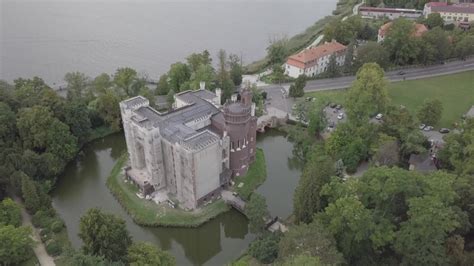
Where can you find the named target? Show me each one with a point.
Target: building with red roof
(314, 61)
(456, 13)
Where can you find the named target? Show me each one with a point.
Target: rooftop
(308, 57)
(457, 8)
(420, 29)
(174, 125)
(388, 10)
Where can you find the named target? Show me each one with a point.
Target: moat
(215, 243)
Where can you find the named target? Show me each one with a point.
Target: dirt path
(40, 251)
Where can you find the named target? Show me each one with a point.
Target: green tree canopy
(430, 112)
(256, 211)
(142, 253)
(400, 43)
(10, 213)
(371, 52)
(434, 20)
(15, 244)
(368, 94)
(104, 235)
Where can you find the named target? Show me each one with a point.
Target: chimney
(202, 85)
(219, 96)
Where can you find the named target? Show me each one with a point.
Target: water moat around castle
(215, 243)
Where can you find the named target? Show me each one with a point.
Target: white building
(457, 13)
(314, 61)
(390, 13)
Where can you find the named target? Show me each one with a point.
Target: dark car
(401, 73)
(332, 125)
(338, 107)
(444, 130)
(333, 105)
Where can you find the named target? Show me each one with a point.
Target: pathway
(40, 251)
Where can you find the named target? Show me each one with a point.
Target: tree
(368, 94)
(278, 73)
(77, 84)
(256, 211)
(30, 195)
(465, 46)
(332, 70)
(142, 253)
(400, 43)
(349, 58)
(297, 89)
(434, 20)
(77, 258)
(204, 73)
(387, 151)
(302, 260)
(317, 118)
(265, 248)
(104, 235)
(10, 213)
(7, 124)
(77, 118)
(430, 112)
(436, 46)
(316, 174)
(277, 51)
(127, 80)
(195, 60)
(15, 244)
(223, 79)
(162, 88)
(421, 238)
(107, 105)
(170, 97)
(236, 71)
(371, 52)
(101, 83)
(312, 240)
(343, 31)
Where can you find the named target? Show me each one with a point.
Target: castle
(191, 152)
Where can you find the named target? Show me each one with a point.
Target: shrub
(53, 248)
(57, 225)
(45, 234)
(40, 219)
(265, 249)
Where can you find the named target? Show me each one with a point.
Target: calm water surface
(217, 242)
(48, 38)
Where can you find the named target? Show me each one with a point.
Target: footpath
(40, 250)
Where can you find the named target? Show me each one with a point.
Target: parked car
(401, 73)
(332, 125)
(338, 107)
(422, 126)
(378, 116)
(444, 130)
(332, 105)
(340, 116)
(428, 128)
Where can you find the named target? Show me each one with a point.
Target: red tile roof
(433, 4)
(308, 57)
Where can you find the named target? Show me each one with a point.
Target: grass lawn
(455, 91)
(148, 213)
(255, 176)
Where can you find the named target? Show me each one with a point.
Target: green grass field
(255, 176)
(455, 91)
(148, 213)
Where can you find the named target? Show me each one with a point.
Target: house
(422, 162)
(314, 61)
(390, 13)
(191, 152)
(456, 13)
(420, 29)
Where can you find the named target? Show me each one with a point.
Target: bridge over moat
(271, 224)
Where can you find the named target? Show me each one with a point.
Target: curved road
(394, 76)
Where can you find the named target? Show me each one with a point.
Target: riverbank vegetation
(255, 176)
(454, 91)
(388, 215)
(148, 213)
(285, 47)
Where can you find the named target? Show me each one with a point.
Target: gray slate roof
(172, 124)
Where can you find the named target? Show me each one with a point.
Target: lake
(50, 38)
(223, 239)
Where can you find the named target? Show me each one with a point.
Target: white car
(428, 128)
(422, 126)
(378, 116)
(340, 116)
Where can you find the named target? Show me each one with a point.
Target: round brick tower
(242, 133)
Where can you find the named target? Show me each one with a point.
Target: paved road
(394, 76)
